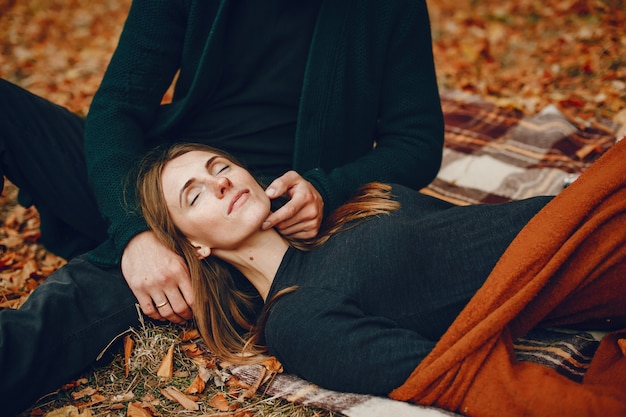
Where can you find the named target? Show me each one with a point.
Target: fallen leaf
(122, 397)
(204, 361)
(233, 381)
(196, 387)
(69, 411)
(273, 365)
(175, 395)
(191, 349)
(93, 400)
(74, 384)
(136, 409)
(129, 344)
(219, 402)
(166, 369)
(85, 392)
(189, 334)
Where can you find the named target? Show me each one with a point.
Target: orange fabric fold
(566, 267)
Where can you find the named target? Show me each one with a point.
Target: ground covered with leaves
(522, 54)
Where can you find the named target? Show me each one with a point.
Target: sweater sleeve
(326, 339)
(392, 102)
(125, 108)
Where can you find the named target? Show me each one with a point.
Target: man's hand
(301, 216)
(159, 279)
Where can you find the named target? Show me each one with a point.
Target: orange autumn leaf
(191, 349)
(136, 409)
(273, 365)
(204, 361)
(235, 382)
(69, 411)
(74, 384)
(219, 402)
(189, 334)
(85, 392)
(93, 400)
(187, 402)
(166, 369)
(196, 387)
(129, 344)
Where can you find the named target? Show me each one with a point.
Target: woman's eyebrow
(191, 180)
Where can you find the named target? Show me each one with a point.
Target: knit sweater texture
(369, 108)
(371, 303)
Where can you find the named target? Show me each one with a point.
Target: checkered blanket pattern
(492, 154)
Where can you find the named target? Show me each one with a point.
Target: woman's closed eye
(193, 200)
(193, 195)
(220, 168)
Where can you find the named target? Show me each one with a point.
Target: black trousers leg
(60, 330)
(41, 152)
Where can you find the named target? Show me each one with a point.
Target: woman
(207, 207)
(358, 308)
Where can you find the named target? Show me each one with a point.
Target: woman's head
(198, 200)
(195, 196)
(187, 193)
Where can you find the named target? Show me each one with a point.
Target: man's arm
(123, 110)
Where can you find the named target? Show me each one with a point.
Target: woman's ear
(202, 251)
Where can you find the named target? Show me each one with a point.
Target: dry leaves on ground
(528, 54)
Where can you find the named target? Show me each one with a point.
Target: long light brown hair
(221, 309)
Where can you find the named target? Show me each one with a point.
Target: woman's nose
(222, 184)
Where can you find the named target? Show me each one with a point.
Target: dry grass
(107, 391)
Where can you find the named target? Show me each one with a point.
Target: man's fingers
(148, 307)
(179, 308)
(302, 231)
(286, 215)
(281, 185)
(167, 311)
(301, 216)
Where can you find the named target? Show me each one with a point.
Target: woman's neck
(258, 260)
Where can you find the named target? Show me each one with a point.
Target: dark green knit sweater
(370, 79)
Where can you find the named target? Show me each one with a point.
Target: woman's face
(215, 203)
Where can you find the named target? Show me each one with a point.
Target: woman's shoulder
(399, 191)
(410, 197)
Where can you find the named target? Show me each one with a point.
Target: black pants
(41, 152)
(74, 314)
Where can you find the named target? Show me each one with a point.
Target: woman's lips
(239, 199)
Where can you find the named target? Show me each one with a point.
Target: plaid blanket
(491, 155)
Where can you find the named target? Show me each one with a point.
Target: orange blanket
(567, 266)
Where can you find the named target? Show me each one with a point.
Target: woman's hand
(301, 216)
(158, 278)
